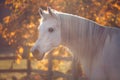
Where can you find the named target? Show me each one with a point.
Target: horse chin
(39, 57)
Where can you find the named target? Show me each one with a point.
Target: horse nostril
(35, 52)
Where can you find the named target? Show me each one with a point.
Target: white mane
(85, 38)
(89, 35)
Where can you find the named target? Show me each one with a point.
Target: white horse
(97, 48)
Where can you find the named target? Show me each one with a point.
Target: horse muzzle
(37, 55)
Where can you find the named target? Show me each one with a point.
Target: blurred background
(19, 20)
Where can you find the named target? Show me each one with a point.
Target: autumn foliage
(19, 28)
(19, 19)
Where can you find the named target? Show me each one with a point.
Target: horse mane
(85, 37)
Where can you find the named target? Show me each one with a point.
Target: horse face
(49, 35)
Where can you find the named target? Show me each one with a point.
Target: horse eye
(50, 29)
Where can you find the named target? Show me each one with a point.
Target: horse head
(49, 34)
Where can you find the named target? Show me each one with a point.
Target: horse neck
(68, 30)
(84, 38)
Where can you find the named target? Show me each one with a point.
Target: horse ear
(41, 12)
(50, 11)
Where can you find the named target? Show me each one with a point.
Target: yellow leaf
(21, 50)
(12, 33)
(31, 57)
(6, 19)
(18, 59)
